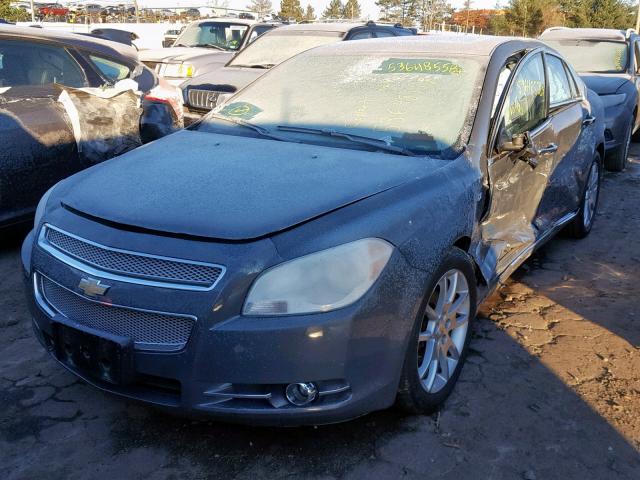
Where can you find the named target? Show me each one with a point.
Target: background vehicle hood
(184, 54)
(228, 76)
(231, 187)
(605, 84)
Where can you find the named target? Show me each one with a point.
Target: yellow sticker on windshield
(243, 110)
(419, 65)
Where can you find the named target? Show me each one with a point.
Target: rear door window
(113, 71)
(559, 88)
(363, 35)
(384, 33)
(33, 64)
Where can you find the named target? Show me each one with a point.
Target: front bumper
(236, 368)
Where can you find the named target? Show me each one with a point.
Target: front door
(518, 177)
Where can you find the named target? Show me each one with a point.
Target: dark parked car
(38, 138)
(205, 91)
(320, 248)
(608, 61)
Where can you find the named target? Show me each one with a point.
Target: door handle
(588, 120)
(551, 148)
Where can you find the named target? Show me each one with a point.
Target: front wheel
(583, 222)
(440, 337)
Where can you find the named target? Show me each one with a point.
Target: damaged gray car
(321, 247)
(68, 101)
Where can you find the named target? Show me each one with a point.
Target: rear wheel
(440, 337)
(583, 222)
(616, 160)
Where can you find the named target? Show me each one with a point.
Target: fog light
(300, 394)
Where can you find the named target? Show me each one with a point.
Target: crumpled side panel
(103, 126)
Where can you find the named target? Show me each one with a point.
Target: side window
(363, 35)
(113, 71)
(525, 107)
(384, 33)
(559, 89)
(35, 64)
(572, 81)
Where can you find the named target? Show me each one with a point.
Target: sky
(369, 8)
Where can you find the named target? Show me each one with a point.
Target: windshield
(416, 103)
(224, 35)
(277, 46)
(593, 55)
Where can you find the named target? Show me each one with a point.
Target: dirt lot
(551, 390)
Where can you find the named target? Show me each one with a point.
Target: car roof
(106, 47)
(241, 21)
(453, 44)
(565, 33)
(342, 27)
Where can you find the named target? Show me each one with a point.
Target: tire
(616, 160)
(582, 224)
(423, 387)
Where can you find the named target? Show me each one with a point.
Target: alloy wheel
(591, 195)
(443, 331)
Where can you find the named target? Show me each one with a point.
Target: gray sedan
(321, 247)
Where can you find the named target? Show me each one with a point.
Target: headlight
(613, 100)
(181, 70)
(321, 281)
(42, 204)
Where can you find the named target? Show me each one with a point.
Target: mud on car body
(40, 144)
(609, 63)
(321, 251)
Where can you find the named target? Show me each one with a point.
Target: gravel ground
(551, 390)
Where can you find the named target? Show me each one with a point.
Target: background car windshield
(276, 47)
(593, 56)
(421, 103)
(224, 35)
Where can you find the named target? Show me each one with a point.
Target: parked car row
(221, 81)
(315, 247)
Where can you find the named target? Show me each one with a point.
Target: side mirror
(517, 144)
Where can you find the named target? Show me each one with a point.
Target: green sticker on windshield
(418, 65)
(243, 110)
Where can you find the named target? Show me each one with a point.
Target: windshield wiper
(256, 128)
(255, 65)
(369, 141)
(210, 45)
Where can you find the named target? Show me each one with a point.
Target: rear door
(518, 179)
(38, 146)
(570, 123)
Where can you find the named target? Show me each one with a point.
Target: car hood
(184, 54)
(605, 84)
(235, 77)
(230, 187)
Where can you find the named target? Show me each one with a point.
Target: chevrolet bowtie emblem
(93, 288)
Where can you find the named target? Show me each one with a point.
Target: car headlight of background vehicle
(42, 204)
(613, 100)
(319, 282)
(181, 70)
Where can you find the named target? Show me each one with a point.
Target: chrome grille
(134, 264)
(148, 329)
(204, 99)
